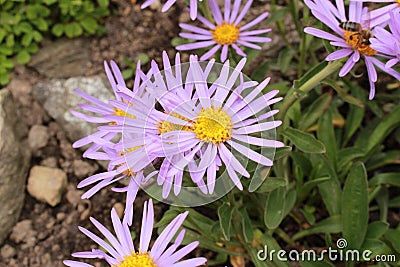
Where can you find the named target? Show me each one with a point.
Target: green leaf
(274, 208)
(393, 236)
(247, 229)
(73, 29)
(7, 63)
(58, 29)
(270, 184)
(89, 24)
(348, 155)
(390, 122)
(41, 24)
(127, 74)
(290, 201)
(10, 40)
(179, 41)
(3, 34)
(315, 111)
(37, 36)
(304, 141)
(355, 207)
(377, 247)
(382, 159)
(27, 39)
(282, 152)
(326, 134)
(143, 58)
(391, 178)
(4, 78)
(23, 57)
(376, 229)
(271, 244)
(103, 3)
(332, 225)
(225, 212)
(309, 185)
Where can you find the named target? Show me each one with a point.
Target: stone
(38, 137)
(47, 184)
(7, 252)
(119, 208)
(14, 164)
(58, 99)
(63, 58)
(22, 232)
(83, 169)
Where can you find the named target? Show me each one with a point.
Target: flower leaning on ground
(169, 3)
(388, 43)
(352, 43)
(226, 31)
(120, 251)
(102, 143)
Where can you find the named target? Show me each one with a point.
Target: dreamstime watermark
(339, 254)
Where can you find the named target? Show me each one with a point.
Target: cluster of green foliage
(23, 23)
(338, 177)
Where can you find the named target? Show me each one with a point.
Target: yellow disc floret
(137, 259)
(120, 112)
(166, 126)
(121, 153)
(213, 125)
(359, 42)
(225, 34)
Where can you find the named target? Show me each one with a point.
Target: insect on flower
(358, 37)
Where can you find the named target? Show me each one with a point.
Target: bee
(358, 34)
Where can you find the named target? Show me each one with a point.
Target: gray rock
(63, 58)
(38, 137)
(14, 163)
(58, 98)
(47, 184)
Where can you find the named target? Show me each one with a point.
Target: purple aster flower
(388, 43)
(353, 42)
(225, 32)
(201, 122)
(382, 12)
(102, 109)
(169, 3)
(120, 251)
(114, 174)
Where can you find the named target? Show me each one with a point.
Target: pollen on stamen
(166, 126)
(355, 43)
(137, 259)
(128, 171)
(213, 125)
(225, 34)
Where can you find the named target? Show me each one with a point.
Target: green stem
(295, 93)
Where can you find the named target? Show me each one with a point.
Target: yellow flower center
(121, 153)
(120, 112)
(166, 126)
(137, 259)
(360, 41)
(225, 34)
(213, 125)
